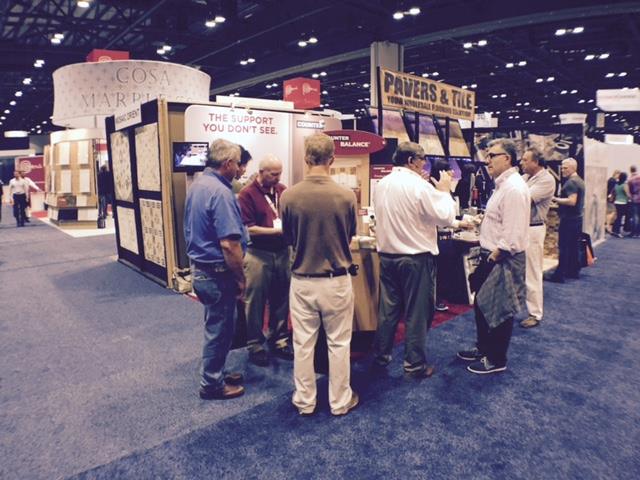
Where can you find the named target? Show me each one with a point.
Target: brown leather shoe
(425, 372)
(233, 378)
(529, 322)
(227, 392)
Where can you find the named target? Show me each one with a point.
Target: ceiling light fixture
(522, 63)
(509, 65)
(312, 40)
(609, 75)
(220, 19)
(577, 30)
(539, 80)
(482, 43)
(38, 63)
(622, 74)
(467, 45)
(7, 111)
(589, 57)
(603, 56)
(83, 4)
(550, 79)
(560, 31)
(398, 15)
(573, 92)
(18, 93)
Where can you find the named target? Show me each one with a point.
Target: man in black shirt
(570, 208)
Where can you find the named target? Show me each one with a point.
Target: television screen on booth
(189, 156)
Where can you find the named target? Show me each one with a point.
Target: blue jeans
(217, 292)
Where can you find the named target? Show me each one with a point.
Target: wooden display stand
(70, 176)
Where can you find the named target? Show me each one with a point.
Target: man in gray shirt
(570, 207)
(542, 186)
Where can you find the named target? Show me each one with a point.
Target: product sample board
(140, 200)
(70, 180)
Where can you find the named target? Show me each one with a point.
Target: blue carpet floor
(98, 379)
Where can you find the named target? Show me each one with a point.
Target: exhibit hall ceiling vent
(529, 62)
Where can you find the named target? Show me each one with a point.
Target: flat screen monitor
(189, 156)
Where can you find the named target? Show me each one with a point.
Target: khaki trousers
(535, 258)
(326, 301)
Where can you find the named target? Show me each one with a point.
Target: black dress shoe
(233, 378)
(259, 357)
(225, 393)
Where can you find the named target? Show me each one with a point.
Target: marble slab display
(148, 157)
(121, 166)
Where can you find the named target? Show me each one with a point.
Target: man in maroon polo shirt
(266, 264)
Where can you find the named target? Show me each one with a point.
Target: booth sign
(402, 91)
(32, 167)
(86, 93)
(355, 142)
(303, 92)
(99, 55)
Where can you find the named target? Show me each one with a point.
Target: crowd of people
(623, 204)
(290, 248)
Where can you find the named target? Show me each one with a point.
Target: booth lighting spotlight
(83, 4)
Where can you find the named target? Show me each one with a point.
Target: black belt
(335, 273)
(538, 224)
(216, 267)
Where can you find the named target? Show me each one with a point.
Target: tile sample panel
(127, 229)
(121, 166)
(148, 157)
(152, 231)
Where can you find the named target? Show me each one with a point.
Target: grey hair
(508, 146)
(406, 151)
(537, 156)
(221, 151)
(571, 161)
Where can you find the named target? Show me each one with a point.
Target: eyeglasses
(491, 156)
(419, 157)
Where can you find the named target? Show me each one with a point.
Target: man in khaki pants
(542, 186)
(318, 220)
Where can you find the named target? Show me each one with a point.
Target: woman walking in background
(621, 202)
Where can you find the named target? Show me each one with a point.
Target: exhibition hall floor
(98, 379)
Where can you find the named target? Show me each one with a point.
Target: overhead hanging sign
(417, 94)
(85, 93)
(618, 99)
(355, 142)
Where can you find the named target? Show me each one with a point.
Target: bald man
(266, 264)
(570, 206)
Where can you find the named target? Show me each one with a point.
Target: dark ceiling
(515, 31)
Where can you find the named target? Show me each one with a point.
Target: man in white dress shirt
(408, 209)
(542, 186)
(499, 281)
(18, 191)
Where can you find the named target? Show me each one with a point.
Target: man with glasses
(499, 280)
(408, 211)
(216, 241)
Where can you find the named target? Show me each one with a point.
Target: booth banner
(86, 93)
(355, 142)
(303, 92)
(618, 99)
(417, 94)
(258, 131)
(32, 167)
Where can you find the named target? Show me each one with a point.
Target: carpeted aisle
(99, 380)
